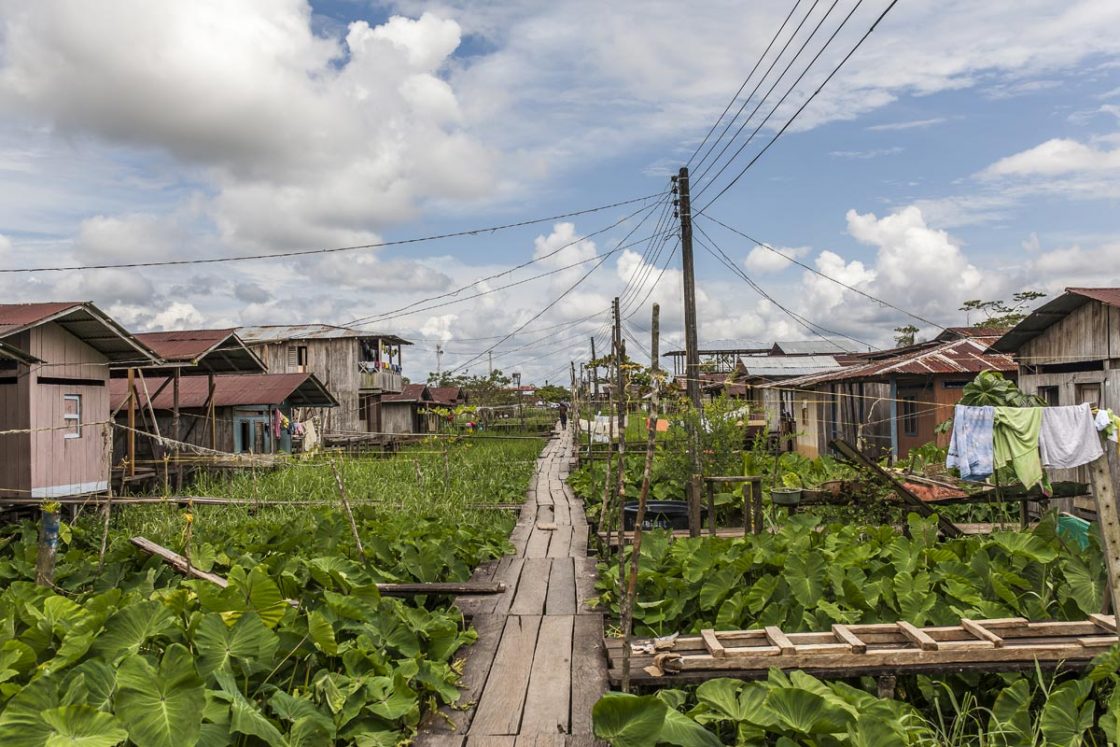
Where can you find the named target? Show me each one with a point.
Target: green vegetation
(300, 649)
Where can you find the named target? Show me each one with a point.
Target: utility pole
(655, 339)
(594, 375)
(439, 357)
(490, 362)
(691, 351)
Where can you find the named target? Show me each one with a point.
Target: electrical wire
(305, 252)
(800, 109)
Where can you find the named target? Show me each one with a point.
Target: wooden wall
(60, 465)
(398, 417)
(15, 414)
(335, 362)
(1090, 333)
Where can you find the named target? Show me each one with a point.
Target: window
(1090, 393)
(297, 357)
(1049, 395)
(909, 416)
(72, 415)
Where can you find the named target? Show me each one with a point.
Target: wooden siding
(398, 417)
(335, 363)
(15, 414)
(1090, 333)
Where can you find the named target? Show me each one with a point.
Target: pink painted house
(54, 394)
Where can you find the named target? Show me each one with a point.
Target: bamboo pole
(346, 508)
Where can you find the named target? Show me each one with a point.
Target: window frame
(76, 416)
(909, 416)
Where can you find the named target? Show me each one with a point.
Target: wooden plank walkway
(539, 663)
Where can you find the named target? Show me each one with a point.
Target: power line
(792, 87)
(804, 104)
(305, 252)
(730, 264)
(758, 85)
(815, 271)
(448, 294)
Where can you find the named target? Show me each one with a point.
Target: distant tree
(1001, 314)
(489, 390)
(905, 336)
(553, 393)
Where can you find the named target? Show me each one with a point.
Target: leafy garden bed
(300, 649)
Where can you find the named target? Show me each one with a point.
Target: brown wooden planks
(502, 700)
(550, 684)
(561, 544)
(561, 596)
(533, 587)
(537, 545)
(585, 583)
(479, 659)
(589, 670)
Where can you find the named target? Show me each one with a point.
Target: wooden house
(232, 413)
(54, 374)
(412, 410)
(356, 367)
(888, 404)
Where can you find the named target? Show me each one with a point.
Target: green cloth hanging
(1015, 433)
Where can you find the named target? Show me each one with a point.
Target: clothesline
(1027, 439)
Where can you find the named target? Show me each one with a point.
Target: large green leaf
(805, 574)
(21, 723)
(1011, 714)
(799, 710)
(218, 643)
(130, 628)
(321, 632)
(628, 720)
(1066, 716)
(161, 708)
(82, 726)
(682, 731)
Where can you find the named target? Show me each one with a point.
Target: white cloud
(1054, 157)
(763, 260)
(863, 155)
(907, 125)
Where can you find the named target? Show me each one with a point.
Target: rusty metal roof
(202, 351)
(297, 389)
(966, 356)
(448, 395)
(1042, 318)
(284, 332)
(409, 393)
(83, 320)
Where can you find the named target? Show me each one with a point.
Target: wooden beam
(948, 528)
(1100, 478)
(981, 632)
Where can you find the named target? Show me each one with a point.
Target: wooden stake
(1103, 493)
(108, 436)
(132, 422)
(346, 507)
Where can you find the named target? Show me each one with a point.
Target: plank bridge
(539, 663)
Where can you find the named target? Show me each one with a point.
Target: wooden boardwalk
(539, 664)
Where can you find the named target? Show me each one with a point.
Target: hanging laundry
(276, 415)
(1108, 423)
(970, 445)
(1015, 437)
(1068, 437)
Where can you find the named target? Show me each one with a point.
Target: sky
(964, 151)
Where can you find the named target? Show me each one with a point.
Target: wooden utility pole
(176, 434)
(594, 374)
(131, 423)
(655, 339)
(691, 350)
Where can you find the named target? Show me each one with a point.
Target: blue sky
(967, 150)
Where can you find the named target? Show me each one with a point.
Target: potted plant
(788, 493)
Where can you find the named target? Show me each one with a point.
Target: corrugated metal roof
(774, 366)
(11, 352)
(283, 332)
(1041, 319)
(448, 395)
(207, 350)
(812, 347)
(299, 389)
(409, 393)
(83, 320)
(969, 355)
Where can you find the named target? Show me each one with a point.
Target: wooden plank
(561, 597)
(776, 637)
(1107, 622)
(852, 454)
(533, 587)
(491, 741)
(537, 546)
(981, 632)
(404, 590)
(844, 633)
(177, 561)
(580, 533)
(439, 740)
(546, 526)
(589, 670)
(561, 544)
(510, 574)
(585, 583)
(715, 648)
(550, 684)
(500, 705)
(918, 636)
(542, 740)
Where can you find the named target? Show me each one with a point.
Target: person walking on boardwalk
(563, 415)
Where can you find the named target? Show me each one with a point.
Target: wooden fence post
(48, 545)
(1104, 494)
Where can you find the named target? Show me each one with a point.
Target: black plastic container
(659, 515)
